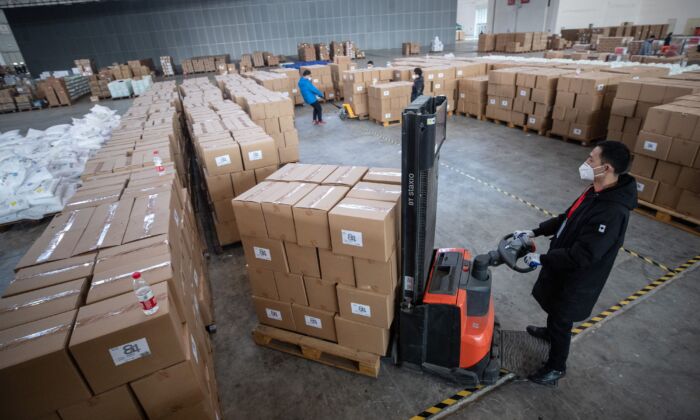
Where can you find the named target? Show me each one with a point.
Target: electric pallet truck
(446, 322)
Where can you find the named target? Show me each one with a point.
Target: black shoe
(547, 376)
(539, 332)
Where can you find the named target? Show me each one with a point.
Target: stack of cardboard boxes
(556, 42)
(666, 163)
(141, 67)
(7, 99)
(356, 84)
(271, 59)
(336, 50)
(204, 64)
(472, 95)
(487, 42)
(321, 78)
(85, 66)
(322, 52)
(258, 59)
(388, 100)
(63, 90)
(71, 310)
(99, 88)
(340, 64)
(539, 41)
(582, 105)
(293, 76)
(246, 63)
(521, 42)
(535, 93)
(410, 48)
(321, 246)
(121, 71)
(166, 64)
(502, 91)
(306, 52)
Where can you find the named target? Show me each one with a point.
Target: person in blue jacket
(309, 93)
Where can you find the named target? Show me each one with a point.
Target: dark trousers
(318, 111)
(560, 340)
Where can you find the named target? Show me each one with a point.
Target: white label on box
(130, 351)
(523, 93)
(350, 237)
(360, 309)
(315, 80)
(504, 103)
(387, 115)
(532, 120)
(492, 101)
(459, 72)
(374, 80)
(313, 322)
(273, 314)
(577, 131)
(262, 253)
(255, 155)
(461, 95)
(441, 75)
(195, 353)
(294, 91)
(430, 77)
(640, 187)
(385, 93)
(331, 95)
(222, 160)
(359, 88)
(650, 145)
(600, 87)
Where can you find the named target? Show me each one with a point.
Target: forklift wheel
(343, 114)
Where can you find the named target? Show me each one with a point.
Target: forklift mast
(422, 135)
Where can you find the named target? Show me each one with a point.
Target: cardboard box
(258, 153)
(114, 342)
(106, 228)
(219, 187)
(118, 403)
(314, 322)
(363, 228)
(37, 375)
(346, 176)
(646, 188)
(667, 195)
(38, 304)
(302, 259)
(321, 294)
(383, 175)
(689, 179)
(336, 268)
(362, 337)
(149, 217)
(265, 253)
(643, 166)
(689, 203)
(248, 210)
(49, 274)
(366, 306)
(262, 282)
(683, 152)
(311, 215)
(377, 276)
(274, 313)
(376, 191)
(653, 145)
(243, 181)
(667, 172)
(290, 288)
(277, 208)
(221, 157)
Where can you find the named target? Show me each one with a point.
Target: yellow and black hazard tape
(546, 212)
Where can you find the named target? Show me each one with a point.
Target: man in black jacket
(585, 241)
(417, 89)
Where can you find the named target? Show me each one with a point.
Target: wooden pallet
(570, 139)
(58, 106)
(527, 129)
(122, 97)
(669, 217)
(387, 123)
(320, 351)
(479, 117)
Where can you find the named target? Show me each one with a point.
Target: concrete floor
(631, 366)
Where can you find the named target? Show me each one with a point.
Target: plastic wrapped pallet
(121, 88)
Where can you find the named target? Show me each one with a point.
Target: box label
(222, 160)
(441, 75)
(313, 322)
(461, 95)
(130, 351)
(504, 103)
(523, 93)
(273, 314)
(431, 77)
(650, 145)
(492, 101)
(600, 87)
(262, 253)
(640, 187)
(459, 72)
(577, 131)
(387, 115)
(437, 85)
(255, 155)
(532, 120)
(360, 309)
(294, 91)
(359, 88)
(386, 93)
(350, 237)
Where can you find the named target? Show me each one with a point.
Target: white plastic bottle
(158, 163)
(144, 294)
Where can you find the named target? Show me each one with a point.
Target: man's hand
(532, 259)
(528, 233)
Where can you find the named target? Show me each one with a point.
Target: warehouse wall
(578, 14)
(51, 37)
(9, 51)
(528, 17)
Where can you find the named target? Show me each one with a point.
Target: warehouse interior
(134, 160)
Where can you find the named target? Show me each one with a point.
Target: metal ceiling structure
(8, 4)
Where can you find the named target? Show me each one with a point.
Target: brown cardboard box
(643, 166)
(37, 375)
(38, 304)
(336, 268)
(681, 124)
(114, 342)
(667, 195)
(632, 125)
(290, 288)
(363, 228)
(106, 227)
(311, 215)
(149, 217)
(646, 188)
(383, 175)
(366, 306)
(262, 282)
(274, 313)
(346, 176)
(657, 119)
(667, 172)
(376, 191)
(118, 403)
(277, 208)
(683, 152)
(49, 274)
(258, 153)
(219, 187)
(363, 337)
(689, 179)
(653, 145)
(265, 253)
(624, 107)
(221, 157)
(223, 211)
(377, 276)
(689, 203)
(314, 322)
(302, 259)
(248, 210)
(321, 294)
(243, 181)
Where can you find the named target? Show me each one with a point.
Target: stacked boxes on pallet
(487, 42)
(535, 94)
(388, 100)
(502, 94)
(582, 105)
(321, 248)
(539, 41)
(294, 77)
(410, 48)
(321, 78)
(522, 42)
(322, 52)
(273, 111)
(73, 329)
(666, 162)
(473, 95)
(7, 99)
(258, 59)
(336, 50)
(99, 86)
(356, 84)
(166, 64)
(306, 52)
(340, 64)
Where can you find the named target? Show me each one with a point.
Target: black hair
(306, 73)
(418, 71)
(370, 62)
(615, 154)
(652, 36)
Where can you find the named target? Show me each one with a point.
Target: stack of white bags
(40, 171)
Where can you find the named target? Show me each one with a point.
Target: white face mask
(587, 172)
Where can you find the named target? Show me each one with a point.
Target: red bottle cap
(136, 275)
